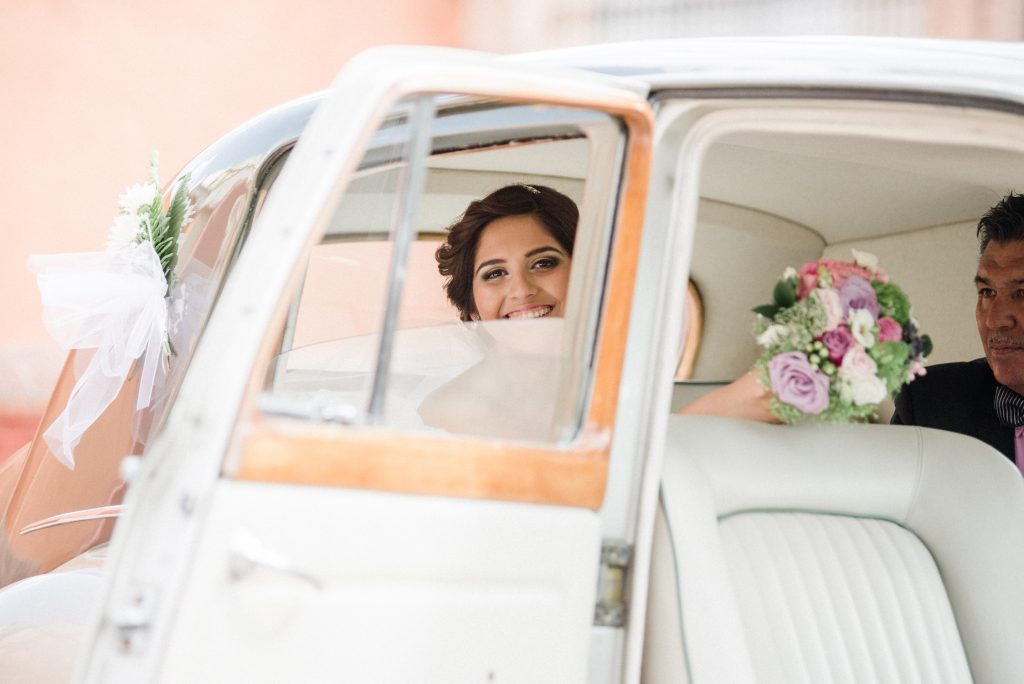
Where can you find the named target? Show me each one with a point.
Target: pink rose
(889, 330)
(807, 279)
(857, 364)
(838, 342)
(797, 383)
(829, 301)
(842, 270)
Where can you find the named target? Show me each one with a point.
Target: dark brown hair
(556, 212)
(1003, 223)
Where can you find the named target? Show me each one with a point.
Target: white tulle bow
(112, 308)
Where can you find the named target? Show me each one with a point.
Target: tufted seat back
(864, 553)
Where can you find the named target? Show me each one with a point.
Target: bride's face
(520, 270)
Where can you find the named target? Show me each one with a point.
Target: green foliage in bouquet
(892, 302)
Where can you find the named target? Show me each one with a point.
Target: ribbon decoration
(114, 305)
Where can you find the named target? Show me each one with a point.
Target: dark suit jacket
(955, 397)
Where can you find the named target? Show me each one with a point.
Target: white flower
(136, 197)
(829, 300)
(858, 379)
(789, 273)
(124, 233)
(862, 324)
(868, 261)
(772, 335)
(861, 391)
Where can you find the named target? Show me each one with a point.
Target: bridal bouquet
(837, 339)
(112, 307)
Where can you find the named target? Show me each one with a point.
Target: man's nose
(1000, 314)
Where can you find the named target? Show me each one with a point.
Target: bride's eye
(546, 263)
(492, 274)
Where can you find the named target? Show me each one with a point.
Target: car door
(350, 487)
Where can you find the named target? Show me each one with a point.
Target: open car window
(371, 337)
(903, 181)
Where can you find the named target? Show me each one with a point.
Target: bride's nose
(522, 286)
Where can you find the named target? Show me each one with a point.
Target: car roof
(977, 68)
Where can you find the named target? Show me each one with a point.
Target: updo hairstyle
(556, 212)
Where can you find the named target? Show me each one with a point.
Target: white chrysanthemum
(789, 273)
(862, 324)
(124, 233)
(862, 390)
(772, 335)
(136, 197)
(865, 259)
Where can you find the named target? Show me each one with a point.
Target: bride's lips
(535, 311)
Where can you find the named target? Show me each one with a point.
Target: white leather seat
(863, 553)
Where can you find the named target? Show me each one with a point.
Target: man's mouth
(1004, 346)
(531, 312)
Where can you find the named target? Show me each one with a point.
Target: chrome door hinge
(610, 610)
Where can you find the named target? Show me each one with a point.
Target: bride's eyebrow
(489, 262)
(540, 250)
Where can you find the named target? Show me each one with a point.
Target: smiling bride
(510, 253)
(506, 263)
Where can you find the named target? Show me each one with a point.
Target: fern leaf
(175, 217)
(156, 211)
(179, 204)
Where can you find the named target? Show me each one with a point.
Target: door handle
(248, 554)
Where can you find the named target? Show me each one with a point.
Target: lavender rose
(857, 293)
(797, 383)
(838, 342)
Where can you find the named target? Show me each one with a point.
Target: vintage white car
(341, 481)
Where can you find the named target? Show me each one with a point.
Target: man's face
(1000, 311)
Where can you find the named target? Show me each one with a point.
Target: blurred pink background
(88, 93)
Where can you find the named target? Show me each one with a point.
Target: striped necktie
(1009, 408)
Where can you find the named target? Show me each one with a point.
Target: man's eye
(986, 293)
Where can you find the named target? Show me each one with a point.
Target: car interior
(777, 556)
(906, 182)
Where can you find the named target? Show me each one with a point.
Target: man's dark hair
(556, 212)
(1003, 223)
